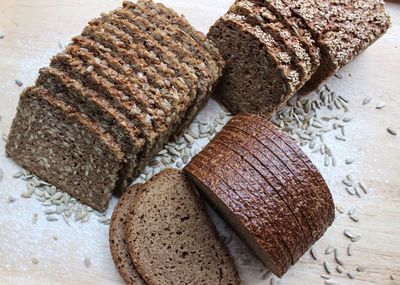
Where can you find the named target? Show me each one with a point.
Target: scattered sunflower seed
(340, 269)
(339, 76)
(55, 237)
(347, 183)
(87, 262)
(18, 174)
(313, 253)
(11, 199)
(366, 100)
(355, 219)
(356, 238)
(328, 282)
(19, 82)
(362, 268)
(52, 218)
(35, 218)
(349, 234)
(380, 105)
(351, 274)
(391, 131)
(35, 261)
(392, 277)
(350, 250)
(328, 267)
(330, 249)
(340, 209)
(325, 276)
(362, 186)
(349, 161)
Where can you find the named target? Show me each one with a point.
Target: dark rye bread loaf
(172, 240)
(249, 157)
(117, 237)
(84, 163)
(259, 75)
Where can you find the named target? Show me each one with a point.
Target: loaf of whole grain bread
(274, 48)
(139, 75)
(266, 188)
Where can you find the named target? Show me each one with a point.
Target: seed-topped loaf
(266, 188)
(59, 144)
(307, 42)
(170, 237)
(139, 74)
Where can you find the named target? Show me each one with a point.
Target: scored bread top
(172, 240)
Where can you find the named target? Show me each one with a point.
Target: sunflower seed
(347, 183)
(328, 282)
(328, 267)
(55, 237)
(351, 274)
(51, 218)
(392, 277)
(339, 76)
(50, 211)
(380, 105)
(56, 196)
(35, 218)
(35, 261)
(339, 209)
(325, 276)
(351, 191)
(18, 174)
(362, 268)
(350, 250)
(27, 194)
(349, 234)
(87, 262)
(391, 131)
(349, 161)
(330, 249)
(347, 119)
(355, 219)
(340, 269)
(356, 238)
(362, 186)
(314, 253)
(366, 100)
(19, 82)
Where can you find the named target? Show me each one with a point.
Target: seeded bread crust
(65, 140)
(181, 22)
(88, 102)
(117, 237)
(249, 230)
(175, 230)
(228, 33)
(296, 155)
(291, 230)
(259, 15)
(247, 184)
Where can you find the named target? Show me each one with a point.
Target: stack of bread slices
(266, 188)
(133, 79)
(160, 234)
(274, 48)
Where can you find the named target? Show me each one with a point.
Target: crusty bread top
(171, 239)
(118, 243)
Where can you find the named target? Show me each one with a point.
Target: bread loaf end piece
(64, 148)
(258, 77)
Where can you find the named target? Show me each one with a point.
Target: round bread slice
(118, 244)
(171, 239)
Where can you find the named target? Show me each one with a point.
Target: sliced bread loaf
(63, 147)
(117, 237)
(172, 240)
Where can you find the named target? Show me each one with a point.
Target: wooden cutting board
(35, 29)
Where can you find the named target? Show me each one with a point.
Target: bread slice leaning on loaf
(171, 239)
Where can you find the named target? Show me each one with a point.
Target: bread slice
(117, 236)
(172, 240)
(64, 148)
(258, 76)
(257, 14)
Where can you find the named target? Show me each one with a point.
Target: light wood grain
(33, 31)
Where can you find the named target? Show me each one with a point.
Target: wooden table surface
(35, 29)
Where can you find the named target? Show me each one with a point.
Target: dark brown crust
(217, 158)
(291, 229)
(296, 155)
(211, 186)
(307, 190)
(117, 238)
